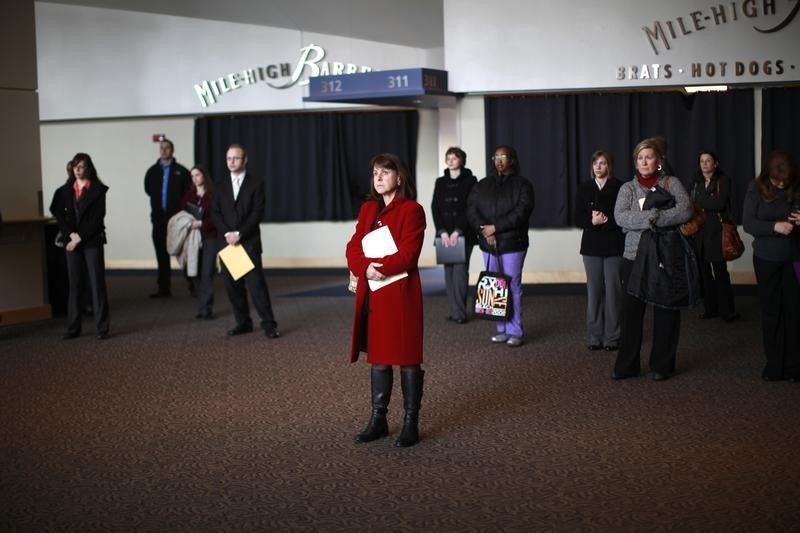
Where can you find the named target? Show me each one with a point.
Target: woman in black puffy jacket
(499, 209)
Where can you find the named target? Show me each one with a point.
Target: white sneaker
(514, 342)
(500, 338)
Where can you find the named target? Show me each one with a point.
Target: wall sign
(661, 35)
(276, 76)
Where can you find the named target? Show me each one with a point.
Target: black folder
(448, 255)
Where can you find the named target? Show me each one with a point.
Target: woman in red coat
(388, 319)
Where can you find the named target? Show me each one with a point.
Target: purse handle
(499, 262)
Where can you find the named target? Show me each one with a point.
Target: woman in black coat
(711, 191)
(79, 207)
(449, 210)
(602, 244)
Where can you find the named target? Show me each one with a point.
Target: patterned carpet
(169, 425)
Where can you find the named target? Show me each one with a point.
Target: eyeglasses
(501, 157)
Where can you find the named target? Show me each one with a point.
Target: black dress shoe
(203, 315)
(70, 335)
(732, 318)
(594, 347)
(460, 320)
(661, 376)
(611, 347)
(706, 316)
(794, 379)
(102, 336)
(617, 376)
(767, 377)
(240, 329)
(272, 333)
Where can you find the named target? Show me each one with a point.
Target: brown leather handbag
(732, 245)
(693, 225)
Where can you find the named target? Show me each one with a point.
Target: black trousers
(779, 296)
(203, 283)
(666, 331)
(717, 290)
(256, 285)
(91, 262)
(162, 257)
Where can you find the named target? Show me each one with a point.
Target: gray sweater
(633, 221)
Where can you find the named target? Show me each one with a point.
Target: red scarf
(648, 183)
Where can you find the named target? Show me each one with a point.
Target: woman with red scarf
(633, 219)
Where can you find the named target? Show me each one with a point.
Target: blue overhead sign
(386, 86)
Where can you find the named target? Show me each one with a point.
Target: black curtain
(315, 166)
(780, 121)
(555, 136)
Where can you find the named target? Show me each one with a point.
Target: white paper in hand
(376, 244)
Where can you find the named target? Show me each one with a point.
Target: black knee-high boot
(411, 381)
(381, 393)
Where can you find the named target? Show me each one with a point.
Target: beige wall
(21, 235)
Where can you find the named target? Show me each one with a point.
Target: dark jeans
(203, 283)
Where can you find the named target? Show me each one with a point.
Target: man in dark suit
(165, 183)
(237, 207)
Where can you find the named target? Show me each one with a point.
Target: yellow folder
(236, 260)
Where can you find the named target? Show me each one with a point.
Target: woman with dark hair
(711, 191)
(197, 201)
(449, 210)
(499, 209)
(631, 216)
(79, 207)
(771, 215)
(387, 323)
(602, 244)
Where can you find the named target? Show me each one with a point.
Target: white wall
(95, 63)
(510, 45)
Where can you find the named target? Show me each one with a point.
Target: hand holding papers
(376, 244)
(236, 260)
